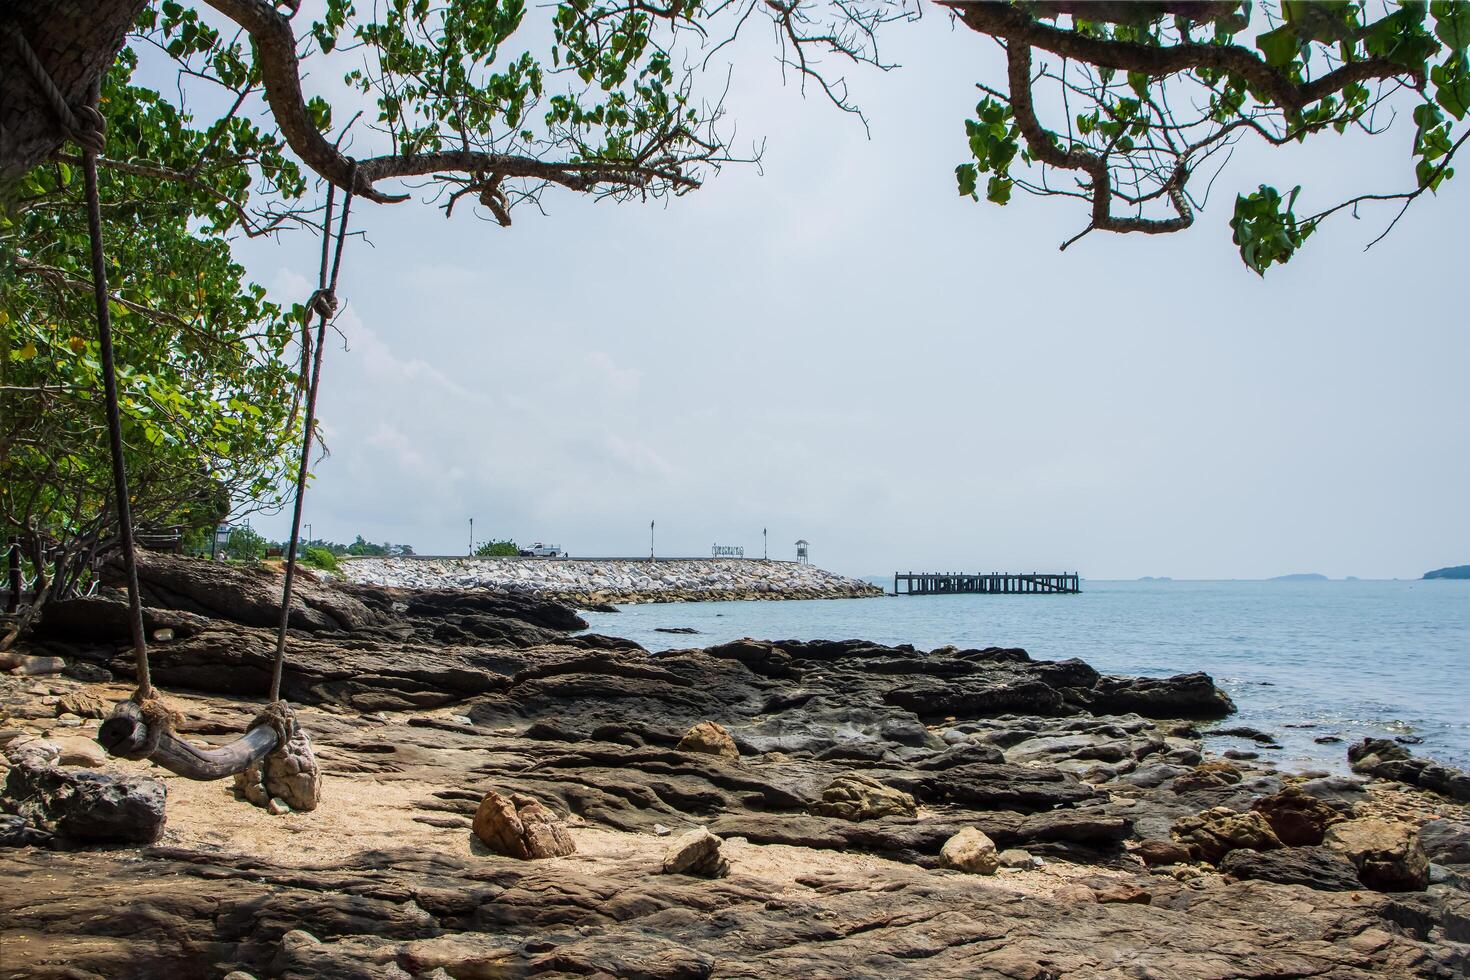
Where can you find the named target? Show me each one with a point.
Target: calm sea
(1302, 660)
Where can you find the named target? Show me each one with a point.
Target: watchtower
(802, 555)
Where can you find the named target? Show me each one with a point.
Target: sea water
(1302, 660)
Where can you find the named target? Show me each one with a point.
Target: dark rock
(87, 807)
(1327, 739)
(1183, 696)
(685, 630)
(17, 832)
(995, 786)
(1446, 841)
(1240, 755)
(1321, 868)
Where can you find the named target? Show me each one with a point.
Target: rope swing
(274, 756)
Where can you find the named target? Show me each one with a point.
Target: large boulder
(854, 796)
(85, 806)
(518, 826)
(1321, 868)
(1298, 819)
(1387, 854)
(971, 851)
(289, 774)
(1212, 834)
(709, 738)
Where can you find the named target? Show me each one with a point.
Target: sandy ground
(363, 813)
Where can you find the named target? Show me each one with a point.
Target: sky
(836, 347)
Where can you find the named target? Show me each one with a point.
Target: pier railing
(995, 583)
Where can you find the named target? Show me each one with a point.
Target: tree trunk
(76, 41)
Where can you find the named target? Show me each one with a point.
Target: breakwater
(592, 581)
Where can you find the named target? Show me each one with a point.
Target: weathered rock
(1208, 775)
(1212, 834)
(1298, 819)
(1114, 892)
(289, 773)
(696, 853)
(520, 827)
(970, 851)
(855, 796)
(1388, 855)
(83, 704)
(87, 807)
(1321, 868)
(710, 738)
(1446, 841)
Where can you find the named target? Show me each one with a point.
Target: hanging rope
(323, 303)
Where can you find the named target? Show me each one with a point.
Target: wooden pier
(996, 583)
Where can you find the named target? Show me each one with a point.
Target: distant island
(1454, 571)
(1156, 578)
(1301, 577)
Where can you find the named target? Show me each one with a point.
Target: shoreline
(596, 582)
(879, 810)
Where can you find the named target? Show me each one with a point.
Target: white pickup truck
(539, 550)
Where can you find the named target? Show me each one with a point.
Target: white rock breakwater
(592, 581)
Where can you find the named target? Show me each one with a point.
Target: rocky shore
(502, 798)
(593, 582)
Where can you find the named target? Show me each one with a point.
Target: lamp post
(308, 534)
(472, 536)
(650, 540)
(765, 546)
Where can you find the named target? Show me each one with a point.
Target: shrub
(497, 549)
(319, 558)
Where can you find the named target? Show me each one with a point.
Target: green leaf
(1280, 47)
(967, 175)
(1452, 23)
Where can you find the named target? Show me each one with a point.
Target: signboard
(728, 551)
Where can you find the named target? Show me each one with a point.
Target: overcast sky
(842, 349)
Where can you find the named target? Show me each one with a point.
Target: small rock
(1160, 852)
(696, 853)
(854, 796)
(1014, 857)
(163, 634)
(520, 827)
(69, 721)
(277, 807)
(659, 830)
(30, 750)
(1327, 739)
(971, 851)
(709, 738)
(83, 705)
(1388, 855)
(462, 720)
(1241, 755)
(74, 750)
